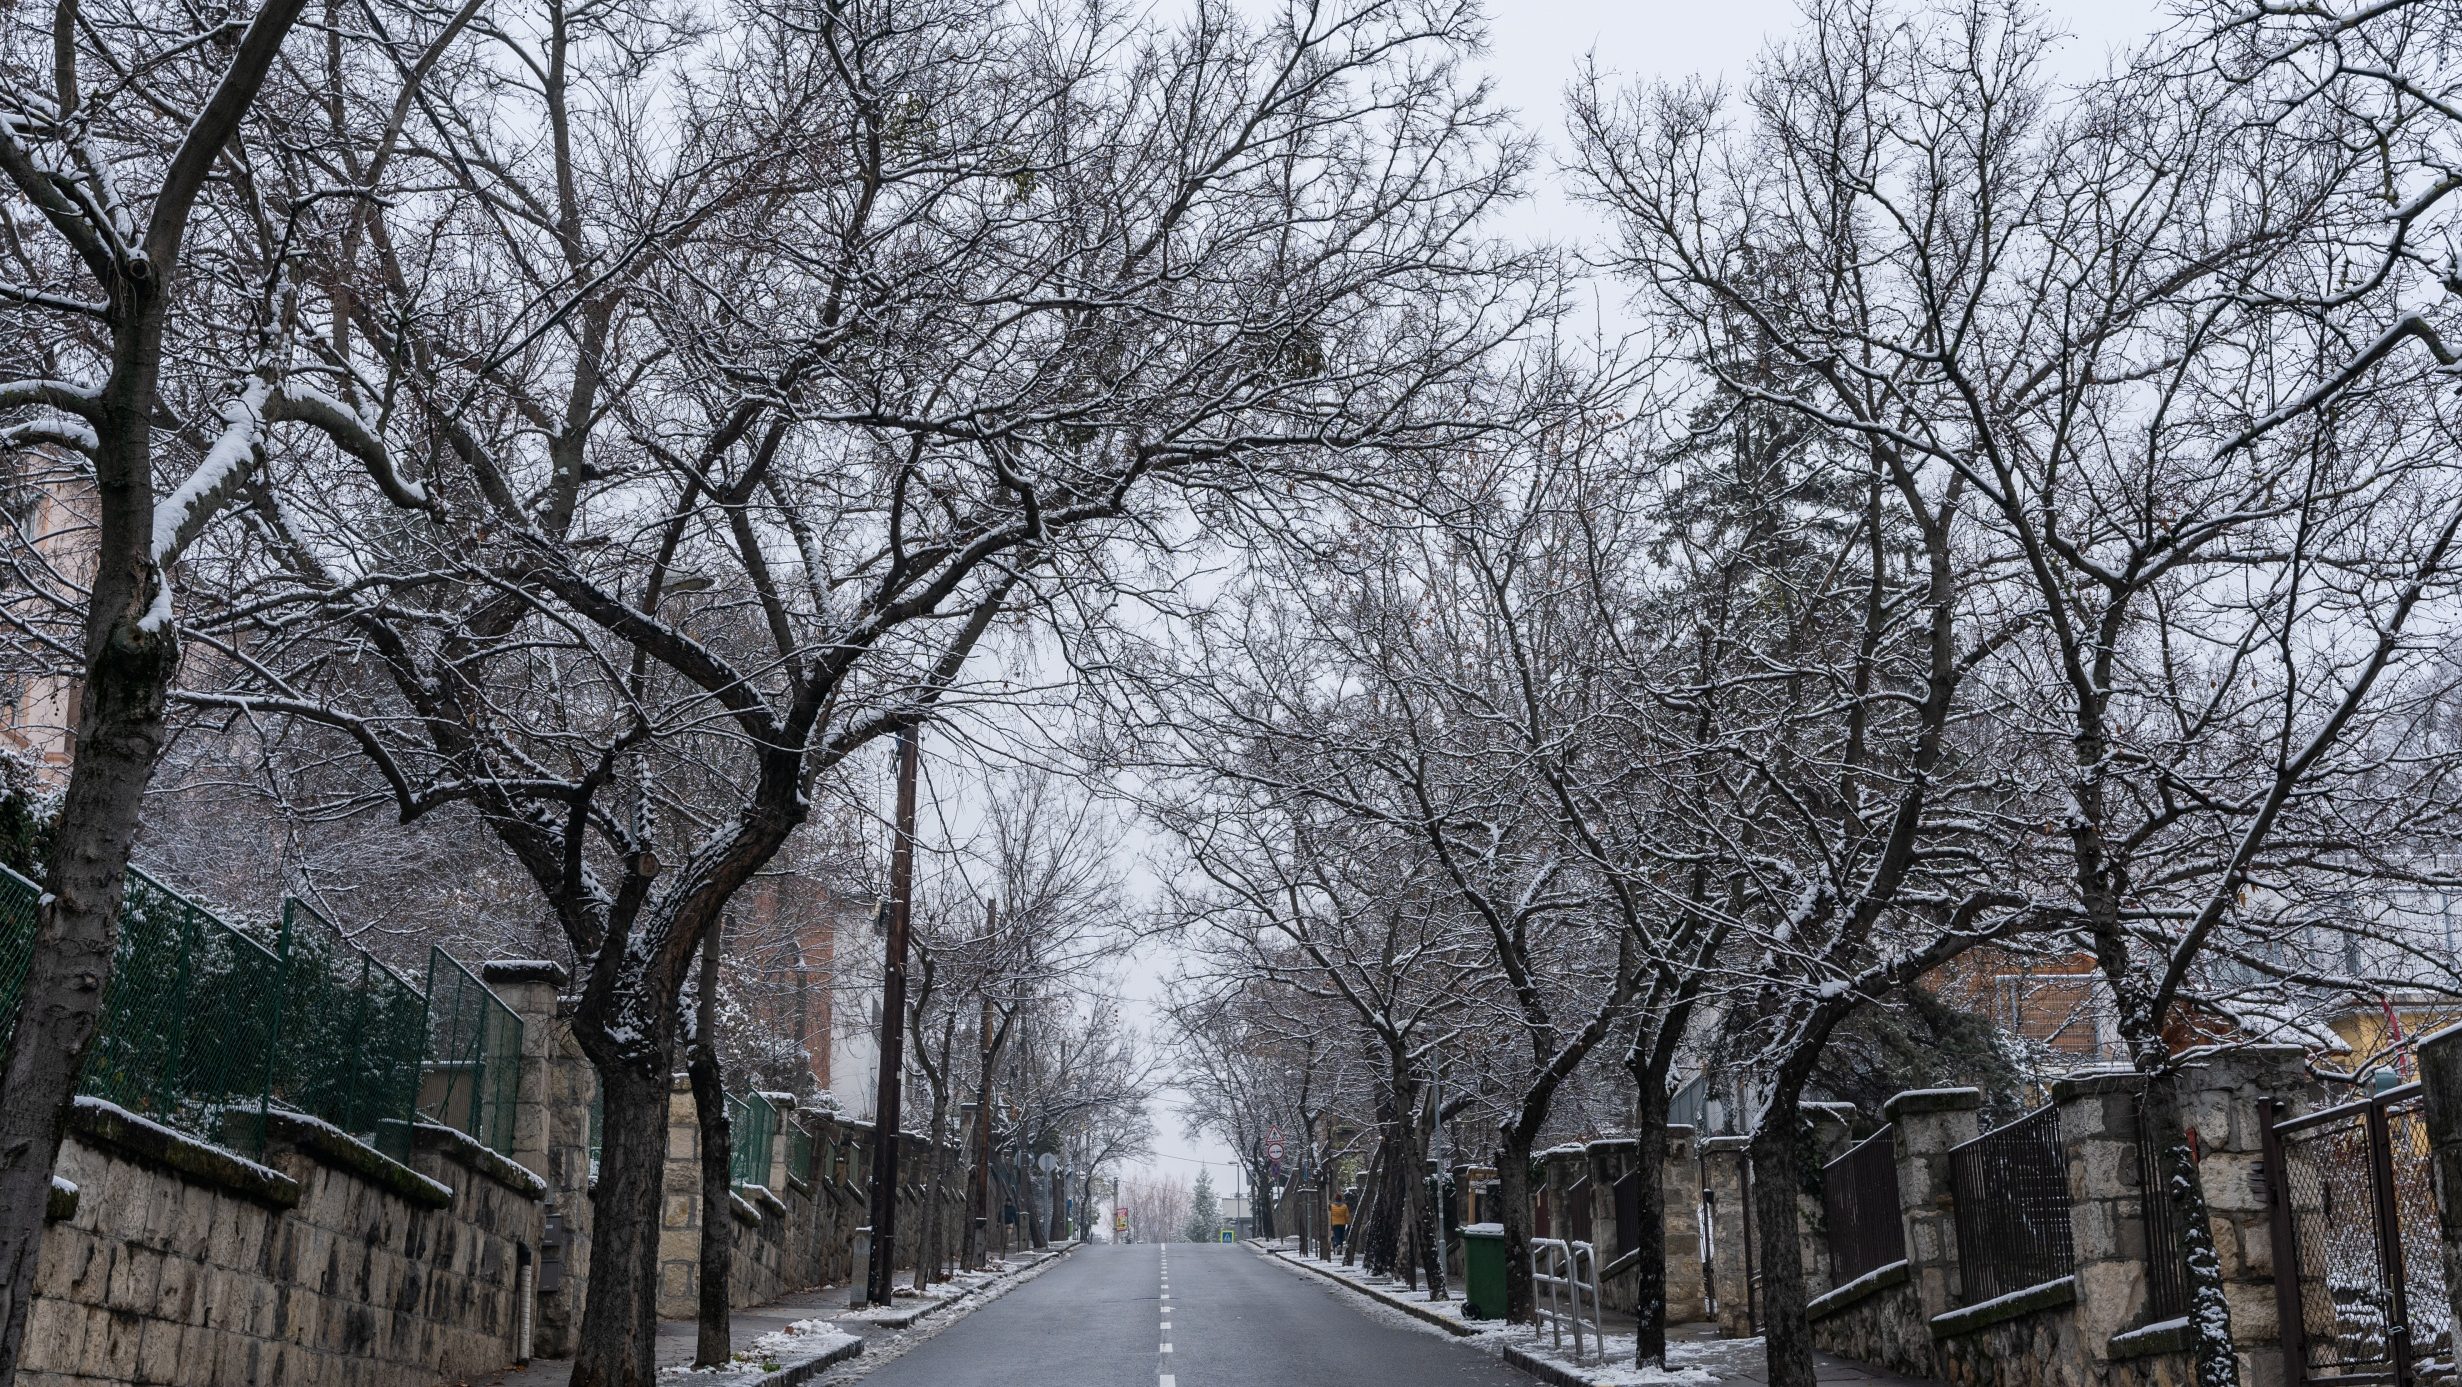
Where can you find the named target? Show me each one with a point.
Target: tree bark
(128, 666)
(714, 1339)
(1777, 1179)
(620, 1309)
(1513, 1191)
(1650, 1273)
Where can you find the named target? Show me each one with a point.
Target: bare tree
(165, 378)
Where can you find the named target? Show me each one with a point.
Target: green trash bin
(1483, 1267)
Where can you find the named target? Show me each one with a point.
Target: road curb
(907, 1319)
(796, 1374)
(1540, 1368)
(1411, 1308)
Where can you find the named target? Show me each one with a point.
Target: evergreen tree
(1205, 1211)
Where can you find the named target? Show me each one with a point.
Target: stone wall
(2090, 1328)
(327, 1263)
(789, 1235)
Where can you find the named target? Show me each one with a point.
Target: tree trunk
(714, 1341)
(620, 1312)
(119, 735)
(1513, 1190)
(979, 1219)
(128, 671)
(1650, 1273)
(2213, 1355)
(933, 1245)
(1777, 1180)
(1432, 1230)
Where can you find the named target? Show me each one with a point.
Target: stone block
(158, 1353)
(111, 1345)
(55, 1337)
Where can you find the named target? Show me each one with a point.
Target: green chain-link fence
(205, 1027)
(799, 1152)
(473, 1055)
(187, 1033)
(754, 1124)
(353, 1034)
(18, 901)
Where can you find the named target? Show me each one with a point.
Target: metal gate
(2359, 1284)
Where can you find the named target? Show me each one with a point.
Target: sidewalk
(1696, 1356)
(783, 1316)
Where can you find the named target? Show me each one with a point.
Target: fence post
(1679, 1183)
(1929, 1122)
(2440, 1083)
(680, 1212)
(2222, 1100)
(2107, 1216)
(551, 1138)
(1722, 1182)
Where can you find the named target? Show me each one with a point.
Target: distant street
(1185, 1315)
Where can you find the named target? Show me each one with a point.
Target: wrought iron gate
(2358, 1278)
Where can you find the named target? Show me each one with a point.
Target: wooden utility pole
(885, 1118)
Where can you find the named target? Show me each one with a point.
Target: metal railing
(190, 1018)
(2011, 1188)
(799, 1153)
(1562, 1270)
(2166, 1266)
(19, 901)
(353, 1034)
(2358, 1269)
(754, 1124)
(206, 1027)
(1859, 1202)
(472, 1078)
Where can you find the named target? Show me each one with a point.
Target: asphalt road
(1184, 1315)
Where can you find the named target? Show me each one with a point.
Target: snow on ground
(907, 1300)
(800, 1342)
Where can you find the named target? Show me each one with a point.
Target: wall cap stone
(1966, 1319)
(1857, 1291)
(742, 1209)
(767, 1199)
(2090, 1083)
(460, 1147)
(1726, 1143)
(2163, 1336)
(518, 970)
(1915, 1102)
(2450, 1035)
(116, 1129)
(320, 1140)
(61, 1206)
(2263, 1049)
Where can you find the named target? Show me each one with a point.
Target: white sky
(1535, 48)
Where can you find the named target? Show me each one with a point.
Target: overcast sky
(1535, 49)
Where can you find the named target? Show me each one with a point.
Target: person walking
(1338, 1217)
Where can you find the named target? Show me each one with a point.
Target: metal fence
(799, 1152)
(2166, 1267)
(754, 1121)
(190, 1017)
(205, 1026)
(19, 899)
(2360, 1274)
(2012, 1193)
(353, 1034)
(1859, 1201)
(472, 1078)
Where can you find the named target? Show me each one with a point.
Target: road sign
(1273, 1149)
